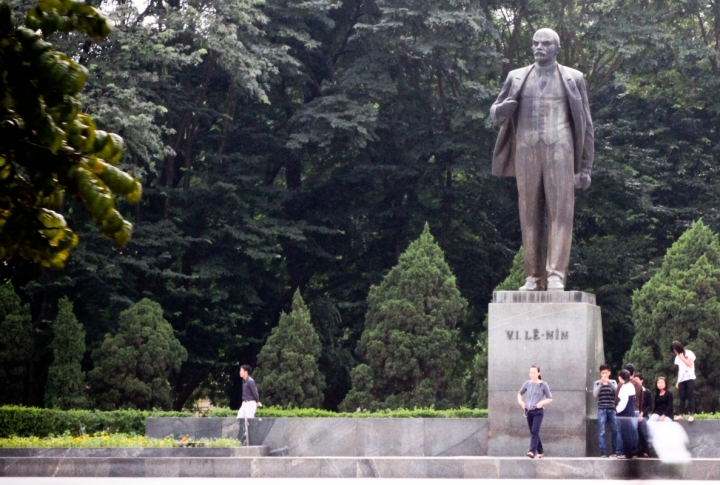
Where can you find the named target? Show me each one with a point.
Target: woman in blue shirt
(538, 395)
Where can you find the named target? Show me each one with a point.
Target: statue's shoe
(531, 284)
(555, 284)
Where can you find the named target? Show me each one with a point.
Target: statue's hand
(506, 108)
(582, 179)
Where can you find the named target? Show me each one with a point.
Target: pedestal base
(561, 332)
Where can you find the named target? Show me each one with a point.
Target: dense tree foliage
(133, 368)
(409, 346)
(286, 145)
(65, 388)
(48, 146)
(288, 371)
(681, 302)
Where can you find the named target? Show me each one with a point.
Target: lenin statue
(546, 141)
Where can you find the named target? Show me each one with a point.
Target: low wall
(385, 436)
(704, 437)
(340, 436)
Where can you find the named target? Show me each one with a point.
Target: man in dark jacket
(643, 435)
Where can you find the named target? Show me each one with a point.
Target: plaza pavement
(323, 481)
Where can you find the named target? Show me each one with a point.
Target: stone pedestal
(561, 332)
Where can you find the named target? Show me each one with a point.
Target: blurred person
(604, 391)
(685, 360)
(670, 441)
(538, 395)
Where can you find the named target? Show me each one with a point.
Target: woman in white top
(685, 360)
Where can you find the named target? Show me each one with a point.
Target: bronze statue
(548, 145)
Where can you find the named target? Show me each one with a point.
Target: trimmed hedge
(24, 421)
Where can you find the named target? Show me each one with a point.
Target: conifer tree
(133, 367)
(65, 388)
(288, 372)
(478, 384)
(680, 302)
(409, 343)
(16, 345)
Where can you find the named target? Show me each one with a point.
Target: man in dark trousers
(637, 384)
(645, 412)
(250, 396)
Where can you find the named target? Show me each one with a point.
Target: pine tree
(680, 302)
(65, 388)
(16, 345)
(133, 367)
(478, 385)
(288, 372)
(409, 342)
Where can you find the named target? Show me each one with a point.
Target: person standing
(643, 436)
(637, 384)
(685, 360)
(250, 396)
(538, 396)
(604, 391)
(626, 413)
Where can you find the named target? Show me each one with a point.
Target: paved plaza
(322, 481)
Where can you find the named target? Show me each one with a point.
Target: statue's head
(545, 46)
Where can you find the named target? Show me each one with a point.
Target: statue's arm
(588, 155)
(497, 116)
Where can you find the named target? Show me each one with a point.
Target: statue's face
(544, 47)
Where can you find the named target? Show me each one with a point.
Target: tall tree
(682, 302)
(16, 346)
(409, 342)
(66, 385)
(288, 371)
(133, 368)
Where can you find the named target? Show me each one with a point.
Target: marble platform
(543, 297)
(354, 467)
(340, 436)
(355, 437)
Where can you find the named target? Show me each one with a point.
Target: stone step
(358, 467)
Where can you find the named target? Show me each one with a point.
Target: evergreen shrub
(287, 370)
(409, 345)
